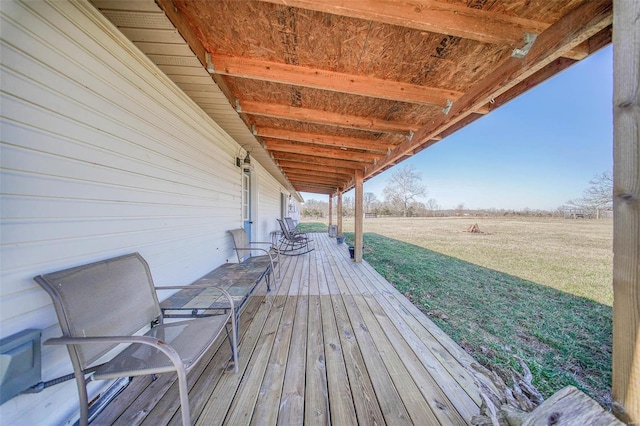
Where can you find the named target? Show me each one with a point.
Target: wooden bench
(239, 280)
(107, 303)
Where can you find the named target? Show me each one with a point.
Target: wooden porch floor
(335, 343)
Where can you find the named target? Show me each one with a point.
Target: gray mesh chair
(293, 229)
(104, 304)
(245, 248)
(292, 245)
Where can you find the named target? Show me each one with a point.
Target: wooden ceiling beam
(310, 149)
(257, 69)
(587, 47)
(315, 173)
(316, 185)
(581, 23)
(593, 44)
(318, 160)
(316, 180)
(287, 112)
(284, 164)
(324, 139)
(316, 190)
(432, 16)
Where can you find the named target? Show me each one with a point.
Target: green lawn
(538, 289)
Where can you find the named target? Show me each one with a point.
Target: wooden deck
(335, 343)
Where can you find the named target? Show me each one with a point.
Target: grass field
(536, 288)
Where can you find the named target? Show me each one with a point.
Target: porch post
(359, 213)
(339, 218)
(330, 209)
(626, 211)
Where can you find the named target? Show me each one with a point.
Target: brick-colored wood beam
(324, 139)
(432, 16)
(258, 69)
(287, 112)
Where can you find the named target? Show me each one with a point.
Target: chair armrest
(268, 252)
(143, 340)
(260, 242)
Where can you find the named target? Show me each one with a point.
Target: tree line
(404, 189)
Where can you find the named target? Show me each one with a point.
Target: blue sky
(537, 151)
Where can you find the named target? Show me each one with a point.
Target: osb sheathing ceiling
(327, 87)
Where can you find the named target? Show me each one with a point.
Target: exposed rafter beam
(432, 16)
(316, 180)
(303, 172)
(318, 160)
(324, 139)
(313, 174)
(309, 149)
(316, 190)
(286, 112)
(257, 69)
(577, 26)
(587, 47)
(286, 165)
(316, 185)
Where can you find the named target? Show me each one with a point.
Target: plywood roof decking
(334, 344)
(372, 73)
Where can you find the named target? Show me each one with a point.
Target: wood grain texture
(626, 208)
(570, 406)
(333, 344)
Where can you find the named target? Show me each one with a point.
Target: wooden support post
(626, 209)
(339, 218)
(330, 209)
(359, 216)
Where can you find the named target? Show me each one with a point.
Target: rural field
(534, 288)
(570, 255)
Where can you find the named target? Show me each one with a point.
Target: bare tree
(403, 187)
(597, 197)
(348, 206)
(369, 200)
(599, 194)
(432, 206)
(315, 209)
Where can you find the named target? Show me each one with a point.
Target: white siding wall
(101, 155)
(268, 192)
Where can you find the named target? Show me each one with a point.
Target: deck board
(334, 343)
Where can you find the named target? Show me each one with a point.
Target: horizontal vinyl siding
(101, 155)
(269, 190)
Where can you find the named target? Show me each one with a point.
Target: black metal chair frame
(292, 245)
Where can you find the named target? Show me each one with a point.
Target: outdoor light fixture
(246, 162)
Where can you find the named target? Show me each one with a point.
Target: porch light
(246, 162)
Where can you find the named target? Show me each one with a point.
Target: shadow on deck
(335, 343)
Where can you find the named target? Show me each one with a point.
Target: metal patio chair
(293, 228)
(106, 303)
(292, 245)
(245, 248)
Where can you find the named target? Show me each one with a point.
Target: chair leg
(234, 333)
(82, 396)
(184, 397)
